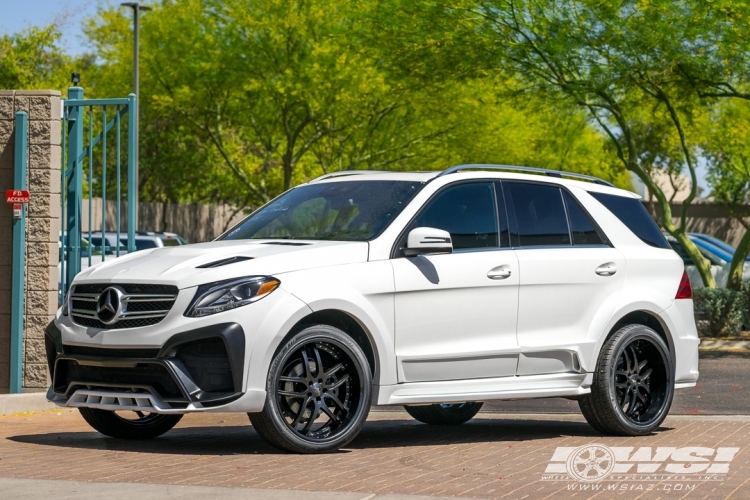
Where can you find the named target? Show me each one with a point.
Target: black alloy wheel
(318, 392)
(444, 414)
(129, 424)
(633, 384)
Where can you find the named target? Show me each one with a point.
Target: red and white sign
(16, 196)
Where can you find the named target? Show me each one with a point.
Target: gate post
(132, 169)
(17, 291)
(74, 187)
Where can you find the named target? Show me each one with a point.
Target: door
(456, 313)
(568, 270)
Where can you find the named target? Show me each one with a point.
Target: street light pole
(137, 9)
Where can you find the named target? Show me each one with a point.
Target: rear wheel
(444, 414)
(129, 424)
(633, 384)
(317, 394)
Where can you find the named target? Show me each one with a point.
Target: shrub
(722, 310)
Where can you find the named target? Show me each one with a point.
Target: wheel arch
(646, 318)
(347, 323)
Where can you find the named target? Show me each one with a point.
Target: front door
(456, 313)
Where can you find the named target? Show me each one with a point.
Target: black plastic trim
(231, 334)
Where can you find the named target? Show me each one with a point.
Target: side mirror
(427, 240)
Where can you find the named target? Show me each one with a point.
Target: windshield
(344, 211)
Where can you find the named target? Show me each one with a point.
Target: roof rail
(343, 173)
(531, 170)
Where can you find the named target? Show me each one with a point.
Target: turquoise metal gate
(91, 168)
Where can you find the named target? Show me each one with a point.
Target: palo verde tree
(611, 59)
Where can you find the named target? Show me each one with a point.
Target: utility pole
(137, 9)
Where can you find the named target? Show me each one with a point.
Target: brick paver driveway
(493, 456)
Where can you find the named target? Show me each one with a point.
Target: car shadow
(243, 440)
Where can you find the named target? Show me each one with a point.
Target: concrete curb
(21, 403)
(725, 345)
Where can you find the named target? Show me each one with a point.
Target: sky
(20, 14)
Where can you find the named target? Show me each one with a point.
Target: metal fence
(92, 166)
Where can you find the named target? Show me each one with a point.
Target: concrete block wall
(42, 228)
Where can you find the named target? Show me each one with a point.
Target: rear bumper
(193, 371)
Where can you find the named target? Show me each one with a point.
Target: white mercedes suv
(436, 291)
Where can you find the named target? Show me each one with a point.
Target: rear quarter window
(633, 214)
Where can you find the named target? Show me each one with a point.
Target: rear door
(567, 270)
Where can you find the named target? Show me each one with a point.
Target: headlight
(221, 296)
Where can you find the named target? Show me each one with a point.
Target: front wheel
(129, 424)
(633, 384)
(444, 414)
(317, 393)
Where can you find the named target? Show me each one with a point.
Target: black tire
(142, 426)
(633, 384)
(444, 414)
(318, 392)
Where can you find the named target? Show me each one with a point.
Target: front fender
(363, 291)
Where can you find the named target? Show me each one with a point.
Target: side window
(467, 211)
(581, 228)
(539, 214)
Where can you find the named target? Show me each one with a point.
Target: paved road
(494, 456)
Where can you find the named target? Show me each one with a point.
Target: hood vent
(224, 262)
(287, 243)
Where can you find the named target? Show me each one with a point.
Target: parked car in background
(110, 242)
(717, 257)
(715, 241)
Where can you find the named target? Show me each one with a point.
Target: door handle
(499, 272)
(607, 269)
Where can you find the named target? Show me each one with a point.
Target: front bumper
(192, 371)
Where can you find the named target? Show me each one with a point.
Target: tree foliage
(241, 100)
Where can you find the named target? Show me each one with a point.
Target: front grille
(140, 304)
(109, 352)
(69, 375)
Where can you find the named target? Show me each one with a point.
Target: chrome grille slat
(83, 312)
(149, 307)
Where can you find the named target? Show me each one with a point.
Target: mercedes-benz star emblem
(109, 306)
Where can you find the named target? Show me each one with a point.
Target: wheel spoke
(313, 417)
(627, 361)
(333, 370)
(330, 414)
(300, 412)
(296, 380)
(306, 362)
(319, 365)
(641, 365)
(337, 402)
(641, 396)
(646, 374)
(292, 394)
(635, 358)
(139, 413)
(633, 400)
(338, 382)
(624, 401)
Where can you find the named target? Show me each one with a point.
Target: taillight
(684, 291)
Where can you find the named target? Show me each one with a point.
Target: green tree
(614, 60)
(32, 59)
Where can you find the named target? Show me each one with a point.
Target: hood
(192, 265)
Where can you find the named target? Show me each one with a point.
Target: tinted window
(143, 244)
(633, 214)
(581, 227)
(539, 214)
(467, 211)
(170, 242)
(344, 211)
